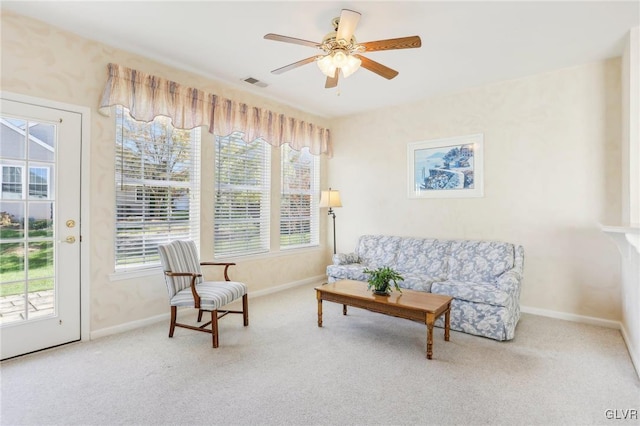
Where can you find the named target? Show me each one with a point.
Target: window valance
(147, 96)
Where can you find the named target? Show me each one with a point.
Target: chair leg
(172, 325)
(199, 315)
(245, 310)
(214, 327)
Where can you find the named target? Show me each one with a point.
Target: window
(38, 182)
(157, 188)
(11, 182)
(298, 203)
(242, 197)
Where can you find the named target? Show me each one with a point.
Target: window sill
(270, 255)
(135, 273)
(157, 270)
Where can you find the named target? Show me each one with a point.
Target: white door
(40, 153)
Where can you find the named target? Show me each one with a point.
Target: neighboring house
(14, 181)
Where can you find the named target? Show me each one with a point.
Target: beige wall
(41, 61)
(551, 164)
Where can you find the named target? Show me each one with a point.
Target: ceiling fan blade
(294, 65)
(332, 81)
(278, 37)
(392, 43)
(347, 25)
(377, 67)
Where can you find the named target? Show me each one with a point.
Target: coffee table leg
(319, 310)
(447, 323)
(344, 309)
(430, 321)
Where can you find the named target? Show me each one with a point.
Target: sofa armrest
(345, 258)
(509, 281)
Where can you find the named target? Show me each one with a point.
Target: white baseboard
(317, 279)
(132, 325)
(572, 317)
(128, 326)
(635, 360)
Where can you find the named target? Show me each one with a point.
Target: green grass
(12, 267)
(18, 288)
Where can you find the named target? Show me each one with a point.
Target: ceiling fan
(342, 51)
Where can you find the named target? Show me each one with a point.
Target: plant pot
(381, 292)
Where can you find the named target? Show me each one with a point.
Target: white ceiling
(464, 44)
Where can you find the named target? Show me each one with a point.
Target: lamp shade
(338, 60)
(330, 198)
(326, 66)
(352, 64)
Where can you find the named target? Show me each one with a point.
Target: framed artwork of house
(446, 168)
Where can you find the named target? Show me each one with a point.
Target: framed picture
(446, 168)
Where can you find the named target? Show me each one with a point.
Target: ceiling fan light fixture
(326, 65)
(338, 60)
(351, 66)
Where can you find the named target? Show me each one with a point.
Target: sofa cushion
(423, 256)
(484, 293)
(375, 251)
(352, 271)
(479, 261)
(418, 282)
(345, 258)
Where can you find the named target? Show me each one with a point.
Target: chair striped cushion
(213, 294)
(179, 256)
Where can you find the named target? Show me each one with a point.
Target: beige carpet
(364, 368)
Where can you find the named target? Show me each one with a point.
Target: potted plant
(380, 280)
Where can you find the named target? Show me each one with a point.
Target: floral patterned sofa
(483, 277)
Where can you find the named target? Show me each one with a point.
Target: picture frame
(446, 168)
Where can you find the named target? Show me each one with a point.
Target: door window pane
(40, 259)
(12, 303)
(41, 219)
(12, 265)
(40, 182)
(13, 135)
(41, 298)
(12, 182)
(11, 220)
(41, 142)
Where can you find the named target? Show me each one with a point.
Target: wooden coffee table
(412, 305)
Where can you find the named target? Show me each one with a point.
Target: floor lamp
(331, 199)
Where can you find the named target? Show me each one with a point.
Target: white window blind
(300, 185)
(157, 178)
(242, 199)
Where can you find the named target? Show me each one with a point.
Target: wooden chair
(187, 288)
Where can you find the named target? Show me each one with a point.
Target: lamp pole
(332, 213)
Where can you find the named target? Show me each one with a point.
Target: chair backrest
(179, 256)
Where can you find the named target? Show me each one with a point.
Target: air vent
(255, 82)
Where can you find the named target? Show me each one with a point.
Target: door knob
(70, 239)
